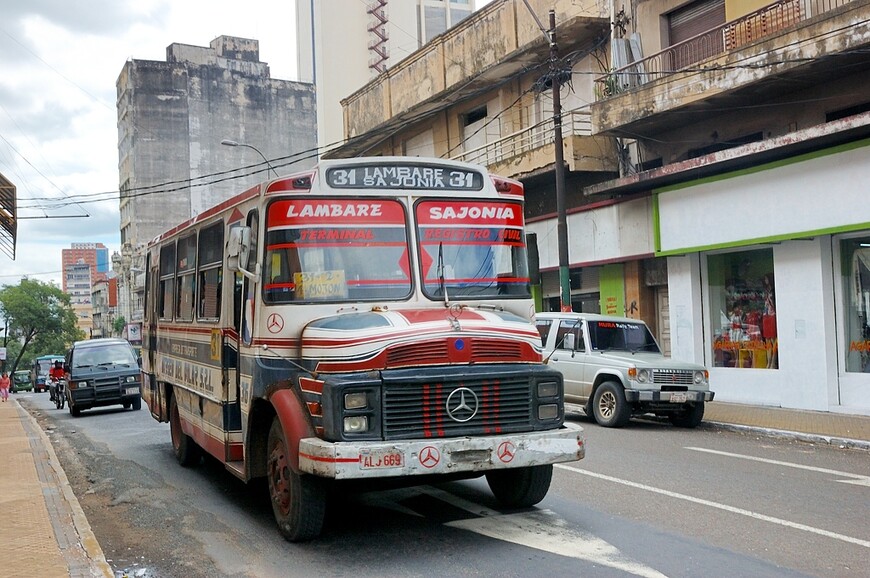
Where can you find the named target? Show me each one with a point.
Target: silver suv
(614, 367)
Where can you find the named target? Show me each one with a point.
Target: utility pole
(561, 210)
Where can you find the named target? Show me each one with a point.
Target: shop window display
(856, 286)
(743, 309)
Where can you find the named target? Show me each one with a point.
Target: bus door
(239, 347)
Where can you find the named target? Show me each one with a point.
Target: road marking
(857, 480)
(542, 530)
(725, 507)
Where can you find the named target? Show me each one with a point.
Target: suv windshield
(336, 250)
(113, 354)
(622, 336)
(472, 249)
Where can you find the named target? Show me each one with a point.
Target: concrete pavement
(46, 533)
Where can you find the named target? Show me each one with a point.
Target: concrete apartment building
(173, 115)
(717, 170)
(172, 119)
(340, 55)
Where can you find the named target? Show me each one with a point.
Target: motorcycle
(60, 393)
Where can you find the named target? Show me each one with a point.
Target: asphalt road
(649, 500)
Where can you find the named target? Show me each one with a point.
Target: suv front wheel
(609, 406)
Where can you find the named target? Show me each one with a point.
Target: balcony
(743, 61)
(531, 149)
(498, 43)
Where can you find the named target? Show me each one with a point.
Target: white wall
(779, 201)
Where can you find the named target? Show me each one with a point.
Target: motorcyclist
(55, 374)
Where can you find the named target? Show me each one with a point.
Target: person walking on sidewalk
(4, 386)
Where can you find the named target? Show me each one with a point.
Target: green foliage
(118, 325)
(39, 320)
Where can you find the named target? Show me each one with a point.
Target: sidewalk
(46, 533)
(841, 429)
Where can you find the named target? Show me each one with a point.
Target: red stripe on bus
(328, 459)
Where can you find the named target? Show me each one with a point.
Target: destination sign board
(404, 176)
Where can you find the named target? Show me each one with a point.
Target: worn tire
(74, 411)
(609, 406)
(137, 403)
(187, 453)
(520, 487)
(690, 418)
(298, 500)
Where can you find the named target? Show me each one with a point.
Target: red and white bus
(368, 319)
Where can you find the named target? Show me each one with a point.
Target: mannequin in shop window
(768, 322)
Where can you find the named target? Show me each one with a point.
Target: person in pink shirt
(4, 386)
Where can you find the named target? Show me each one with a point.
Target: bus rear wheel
(187, 453)
(298, 500)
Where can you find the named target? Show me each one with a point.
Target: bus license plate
(679, 397)
(378, 459)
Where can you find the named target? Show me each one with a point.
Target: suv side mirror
(568, 341)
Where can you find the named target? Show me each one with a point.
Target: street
(648, 500)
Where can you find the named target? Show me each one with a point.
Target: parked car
(102, 372)
(614, 367)
(21, 381)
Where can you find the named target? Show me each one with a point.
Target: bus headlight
(356, 424)
(548, 411)
(548, 389)
(356, 400)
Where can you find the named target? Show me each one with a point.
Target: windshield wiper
(441, 274)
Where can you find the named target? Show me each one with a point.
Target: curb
(99, 566)
(843, 443)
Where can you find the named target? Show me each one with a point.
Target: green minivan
(21, 381)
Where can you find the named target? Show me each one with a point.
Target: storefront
(773, 292)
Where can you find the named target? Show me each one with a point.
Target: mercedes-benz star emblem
(462, 404)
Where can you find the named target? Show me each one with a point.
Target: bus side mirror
(239, 251)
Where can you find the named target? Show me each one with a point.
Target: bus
(367, 320)
(39, 371)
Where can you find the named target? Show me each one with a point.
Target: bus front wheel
(298, 500)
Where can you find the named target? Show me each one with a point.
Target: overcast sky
(59, 61)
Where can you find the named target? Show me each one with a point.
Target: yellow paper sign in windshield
(320, 285)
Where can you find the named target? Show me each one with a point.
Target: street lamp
(232, 143)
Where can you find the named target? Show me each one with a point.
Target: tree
(39, 317)
(118, 325)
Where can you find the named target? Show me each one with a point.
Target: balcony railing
(574, 123)
(729, 36)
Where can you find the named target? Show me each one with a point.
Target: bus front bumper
(366, 459)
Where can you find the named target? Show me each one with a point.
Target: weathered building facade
(173, 115)
(717, 158)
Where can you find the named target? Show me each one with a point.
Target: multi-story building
(716, 171)
(78, 281)
(173, 117)
(83, 265)
(104, 302)
(95, 255)
(340, 55)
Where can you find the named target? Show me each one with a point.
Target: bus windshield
(336, 250)
(472, 249)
